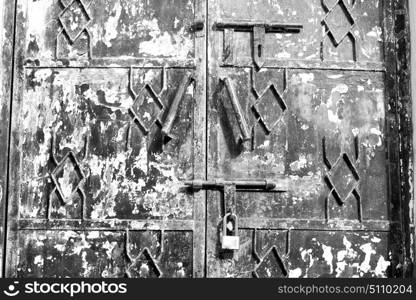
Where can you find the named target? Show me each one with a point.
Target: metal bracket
(198, 25)
(197, 28)
(173, 110)
(229, 188)
(259, 31)
(238, 111)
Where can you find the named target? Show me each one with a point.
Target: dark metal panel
(283, 100)
(101, 144)
(404, 99)
(316, 103)
(95, 254)
(399, 128)
(139, 32)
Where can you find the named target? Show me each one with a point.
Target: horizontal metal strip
(242, 63)
(309, 65)
(318, 225)
(269, 27)
(116, 63)
(106, 225)
(186, 225)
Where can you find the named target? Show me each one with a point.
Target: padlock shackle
(224, 223)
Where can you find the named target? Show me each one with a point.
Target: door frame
(7, 41)
(398, 56)
(412, 26)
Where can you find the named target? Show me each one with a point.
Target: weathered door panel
(313, 114)
(109, 123)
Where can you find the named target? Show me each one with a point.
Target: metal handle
(238, 112)
(173, 110)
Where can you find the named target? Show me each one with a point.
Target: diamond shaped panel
(270, 108)
(67, 177)
(65, 3)
(344, 178)
(147, 108)
(74, 19)
(330, 3)
(271, 266)
(144, 267)
(339, 22)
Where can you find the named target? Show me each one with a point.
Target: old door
(108, 121)
(125, 112)
(302, 138)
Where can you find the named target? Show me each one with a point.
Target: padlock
(230, 242)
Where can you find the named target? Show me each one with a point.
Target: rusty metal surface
(403, 92)
(294, 113)
(106, 127)
(320, 113)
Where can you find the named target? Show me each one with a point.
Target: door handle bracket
(173, 109)
(238, 111)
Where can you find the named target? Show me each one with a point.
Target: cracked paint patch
(339, 255)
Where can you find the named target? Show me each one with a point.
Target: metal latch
(259, 31)
(230, 239)
(260, 185)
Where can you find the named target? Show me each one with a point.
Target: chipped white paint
(328, 257)
(109, 30)
(341, 88)
(368, 251)
(296, 273)
(307, 77)
(37, 22)
(301, 163)
(376, 33)
(307, 257)
(376, 240)
(38, 260)
(381, 268)
(163, 43)
(59, 247)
